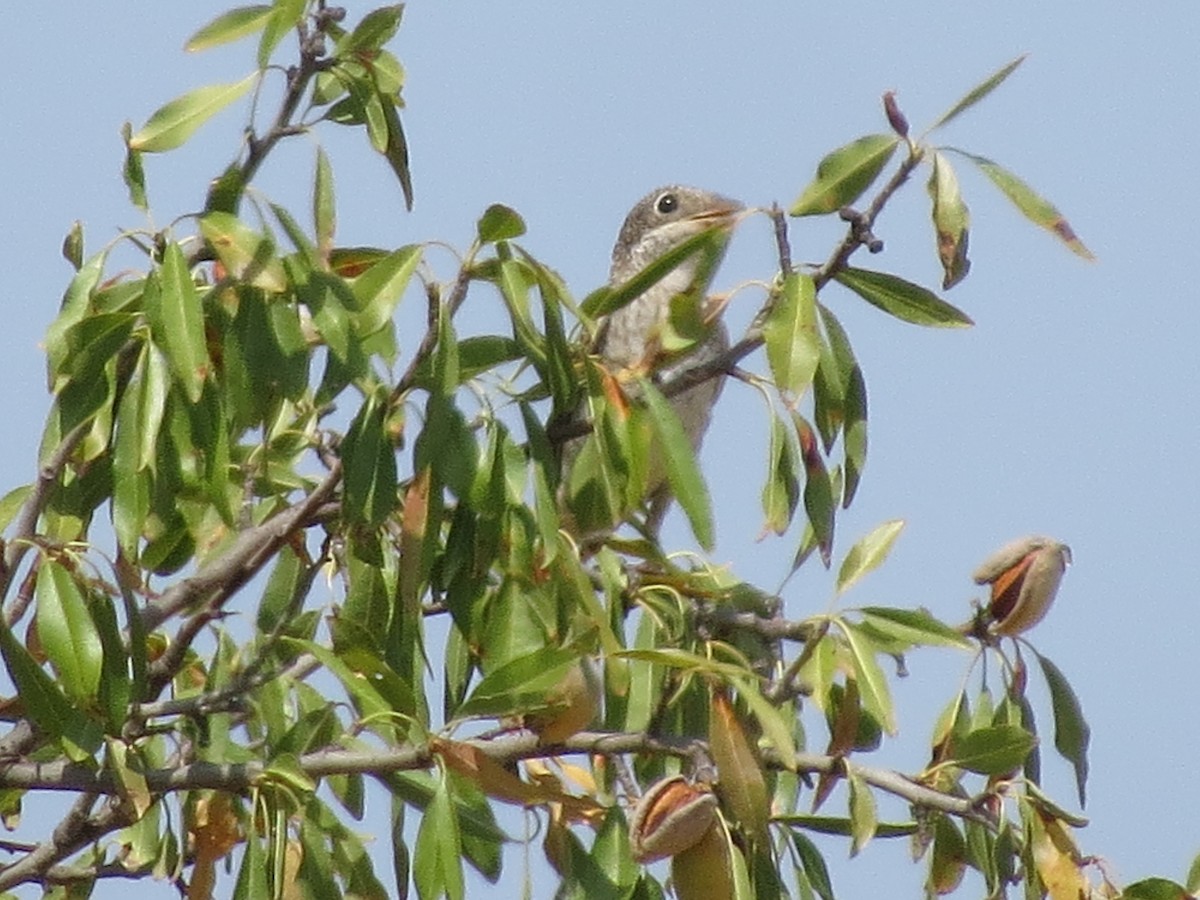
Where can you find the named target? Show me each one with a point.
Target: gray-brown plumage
(628, 338)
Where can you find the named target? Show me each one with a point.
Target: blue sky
(1067, 410)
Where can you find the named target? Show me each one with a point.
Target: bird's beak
(723, 214)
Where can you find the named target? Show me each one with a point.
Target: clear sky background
(1068, 409)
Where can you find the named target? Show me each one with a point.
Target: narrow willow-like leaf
(285, 15)
(45, 702)
(844, 174)
(378, 290)
(324, 204)
(370, 461)
(978, 92)
(864, 821)
(1071, 731)
(172, 124)
(683, 472)
(133, 173)
(229, 26)
(906, 301)
(182, 320)
(781, 490)
(742, 784)
(790, 333)
(1031, 204)
(868, 553)
(437, 855)
(395, 150)
(819, 503)
(914, 627)
(814, 864)
(872, 682)
(67, 632)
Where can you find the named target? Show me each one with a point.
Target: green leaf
(683, 471)
(368, 701)
(437, 856)
(855, 435)
(499, 223)
(844, 174)
(1154, 889)
(951, 221)
(133, 173)
(11, 503)
(790, 333)
(520, 685)
(378, 290)
(1071, 732)
(863, 818)
(840, 825)
(906, 301)
(853, 391)
(949, 861)
(245, 253)
(326, 296)
(229, 26)
(45, 702)
(1032, 205)
(374, 30)
(171, 125)
(814, 864)
(1193, 877)
(781, 491)
(872, 683)
(709, 245)
(395, 150)
(370, 461)
(819, 504)
(177, 321)
(775, 728)
(978, 92)
(914, 627)
(324, 204)
(67, 632)
(285, 15)
(868, 553)
(995, 750)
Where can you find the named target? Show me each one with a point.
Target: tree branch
(505, 749)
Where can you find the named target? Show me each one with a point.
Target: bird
(630, 340)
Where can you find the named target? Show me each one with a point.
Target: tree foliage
(236, 427)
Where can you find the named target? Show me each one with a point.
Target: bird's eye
(667, 203)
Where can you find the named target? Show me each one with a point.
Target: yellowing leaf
(741, 784)
(951, 220)
(229, 26)
(172, 124)
(1032, 205)
(868, 553)
(245, 253)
